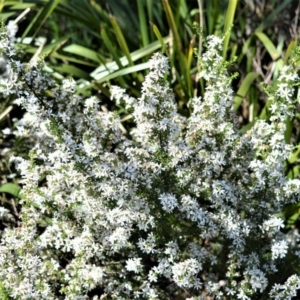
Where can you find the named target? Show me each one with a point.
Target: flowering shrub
(184, 208)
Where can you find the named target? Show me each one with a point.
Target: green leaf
(243, 90)
(1, 4)
(292, 159)
(4, 16)
(83, 51)
(275, 12)
(228, 24)
(142, 21)
(110, 47)
(247, 127)
(274, 53)
(122, 72)
(47, 49)
(121, 39)
(11, 188)
(3, 293)
(289, 51)
(293, 173)
(21, 6)
(293, 218)
(159, 36)
(72, 59)
(135, 55)
(172, 24)
(72, 71)
(39, 20)
(150, 14)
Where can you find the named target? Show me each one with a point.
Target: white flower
(3, 211)
(168, 201)
(91, 102)
(134, 265)
(286, 291)
(272, 225)
(160, 64)
(242, 295)
(279, 249)
(185, 273)
(284, 91)
(258, 279)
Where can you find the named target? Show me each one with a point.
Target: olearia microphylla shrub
(184, 208)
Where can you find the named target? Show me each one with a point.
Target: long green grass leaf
(189, 63)
(83, 52)
(114, 54)
(1, 4)
(289, 51)
(72, 71)
(5, 16)
(110, 47)
(22, 6)
(48, 48)
(121, 39)
(39, 20)
(142, 21)
(150, 15)
(172, 24)
(159, 36)
(138, 54)
(275, 12)
(228, 24)
(125, 71)
(268, 45)
(243, 90)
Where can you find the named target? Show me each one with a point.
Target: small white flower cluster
(286, 291)
(185, 206)
(185, 273)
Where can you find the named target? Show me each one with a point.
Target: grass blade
(159, 37)
(188, 66)
(243, 90)
(110, 47)
(228, 24)
(121, 39)
(172, 24)
(39, 20)
(276, 11)
(125, 71)
(135, 55)
(142, 21)
(289, 51)
(268, 45)
(72, 71)
(1, 4)
(83, 52)
(150, 15)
